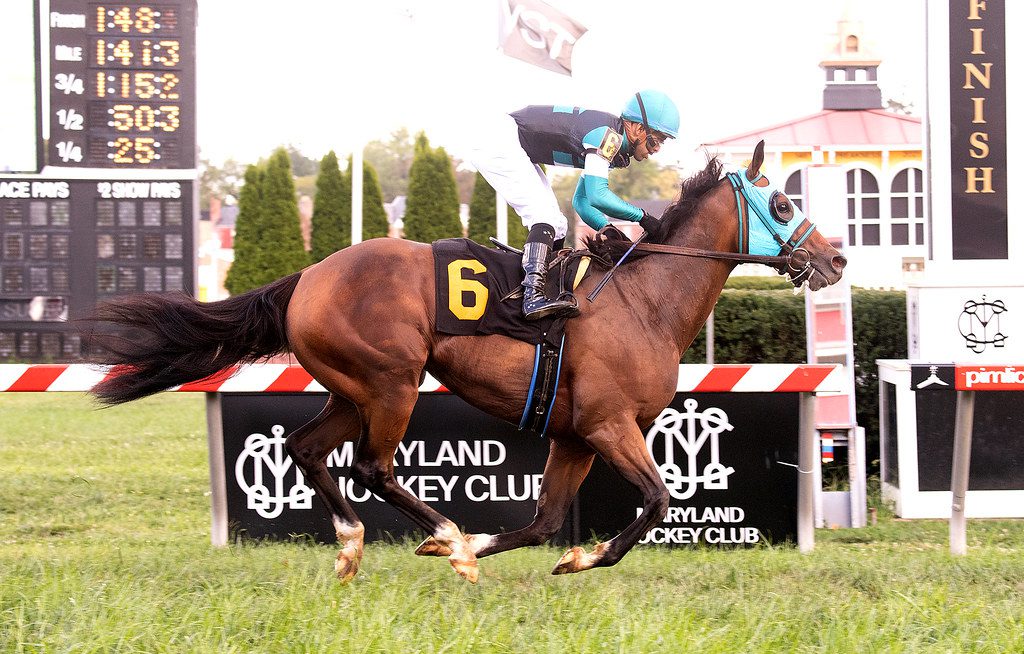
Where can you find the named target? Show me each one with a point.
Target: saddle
(478, 290)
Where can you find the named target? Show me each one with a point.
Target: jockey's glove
(649, 223)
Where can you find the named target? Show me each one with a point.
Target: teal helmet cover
(661, 113)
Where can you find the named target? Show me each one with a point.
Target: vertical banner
(977, 105)
(538, 34)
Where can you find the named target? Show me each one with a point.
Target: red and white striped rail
(285, 378)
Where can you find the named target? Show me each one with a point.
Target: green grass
(104, 547)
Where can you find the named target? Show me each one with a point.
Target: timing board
(112, 208)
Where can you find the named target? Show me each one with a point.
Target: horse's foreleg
(568, 463)
(386, 422)
(309, 447)
(623, 447)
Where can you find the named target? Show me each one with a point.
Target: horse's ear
(755, 163)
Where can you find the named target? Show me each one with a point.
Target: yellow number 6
(458, 286)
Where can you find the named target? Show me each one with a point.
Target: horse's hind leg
(386, 420)
(623, 447)
(309, 447)
(568, 463)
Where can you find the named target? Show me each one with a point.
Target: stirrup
(539, 307)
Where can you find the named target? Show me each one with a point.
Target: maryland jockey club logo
(261, 471)
(691, 431)
(980, 324)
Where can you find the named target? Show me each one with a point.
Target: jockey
(595, 141)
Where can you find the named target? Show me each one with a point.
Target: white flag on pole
(537, 33)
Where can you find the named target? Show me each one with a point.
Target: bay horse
(361, 322)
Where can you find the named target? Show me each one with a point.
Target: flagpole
(501, 218)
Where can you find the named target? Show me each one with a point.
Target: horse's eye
(782, 210)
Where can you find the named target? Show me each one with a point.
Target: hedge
(768, 326)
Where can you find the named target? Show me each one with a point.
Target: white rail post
(961, 471)
(218, 476)
(805, 478)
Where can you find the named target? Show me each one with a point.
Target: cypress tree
(482, 223)
(432, 208)
(375, 219)
(282, 249)
(241, 276)
(332, 210)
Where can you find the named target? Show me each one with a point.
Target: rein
(773, 261)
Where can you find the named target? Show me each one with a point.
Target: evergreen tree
(375, 219)
(332, 210)
(482, 223)
(432, 208)
(282, 251)
(242, 275)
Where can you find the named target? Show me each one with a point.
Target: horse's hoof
(577, 559)
(431, 547)
(347, 564)
(569, 562)
(466, 568)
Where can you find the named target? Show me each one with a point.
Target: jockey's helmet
(655, 111)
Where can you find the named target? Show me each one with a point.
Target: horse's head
(770, 224)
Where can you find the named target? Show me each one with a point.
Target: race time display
(122, 84)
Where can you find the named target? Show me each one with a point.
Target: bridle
(793, 260)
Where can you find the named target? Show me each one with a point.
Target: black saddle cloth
(471, 281)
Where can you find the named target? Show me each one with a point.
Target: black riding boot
(535, 257)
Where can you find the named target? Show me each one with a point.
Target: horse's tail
(161, 341)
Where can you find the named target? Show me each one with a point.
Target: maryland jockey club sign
(973, 324)
(730, 476)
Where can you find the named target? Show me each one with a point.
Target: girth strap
(547, 368)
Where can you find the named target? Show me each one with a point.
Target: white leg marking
(346, 532)
(462, 558)
(351, 539)
(478, 542)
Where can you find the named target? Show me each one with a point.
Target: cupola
(851, 71)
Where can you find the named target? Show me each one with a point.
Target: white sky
(17, 87)
(326, 74)
(329, 74)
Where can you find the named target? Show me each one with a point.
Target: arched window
(839, 75)
(862, 207)
(852, 44)
(907, 207)
(794, 188)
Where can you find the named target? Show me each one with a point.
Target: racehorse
(361, 322)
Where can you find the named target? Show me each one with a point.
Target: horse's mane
(691, 195)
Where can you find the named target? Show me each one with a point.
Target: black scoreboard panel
(67, 244)
(122, 84)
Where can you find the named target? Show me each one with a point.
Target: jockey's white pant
(507, 168)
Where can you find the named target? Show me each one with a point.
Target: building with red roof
(880, 152)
